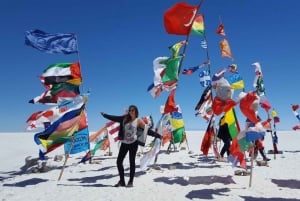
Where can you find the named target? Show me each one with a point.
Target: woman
(128, 137)
(224, 135)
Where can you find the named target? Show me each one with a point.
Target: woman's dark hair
(128, 117)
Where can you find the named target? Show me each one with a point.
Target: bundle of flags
(62, 130)
(66, 122)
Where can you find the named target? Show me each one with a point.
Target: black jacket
(119, 119)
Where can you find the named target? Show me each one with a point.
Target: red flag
(221, 30)
(179, 18)
(295, 107)
(170, 105)
(248, 108)
(206, 140)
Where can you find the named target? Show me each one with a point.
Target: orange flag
(225, 49)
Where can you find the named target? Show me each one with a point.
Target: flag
(62, 72)
(38, 119)
(190, 71)
(296, 127)
(170, 105)
(230, 119)
(207, 138)
(51, 43)
(225, 49)
(248, 106)
(203, 44)
(176, 120)
(264, 103)
(236, 81)
(221, 30)
(276, 119)
(80, 142)
(203, 107)
(149, 157)
(61, 130)
(178, 135)
(57, 91)
(176, 48)
(113, 129)
(170, 72)
(198, 25)
(154, 90)
(218, 76)
(166, 72)
(236, 155)
(101, 142)
(295, 107)
(205, 79)
(177, 124)
(178, 19)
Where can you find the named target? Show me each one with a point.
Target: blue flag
(51, 43)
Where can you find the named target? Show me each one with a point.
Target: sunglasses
(131, 110)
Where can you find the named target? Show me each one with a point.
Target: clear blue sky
(118, 40)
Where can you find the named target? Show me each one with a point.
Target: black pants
(225, 147)
(132, 148)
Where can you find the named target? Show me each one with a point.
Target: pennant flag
(204, 77)
(225, 49)
(62, 72)
(61, 130)
(176, 48)
(178, 19)
(221, 30)
(170, 105)
(198, 25)
(51, 43)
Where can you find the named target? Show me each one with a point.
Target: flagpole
(188, 37)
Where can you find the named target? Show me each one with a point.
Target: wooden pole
(66, 159)
(251, 168)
